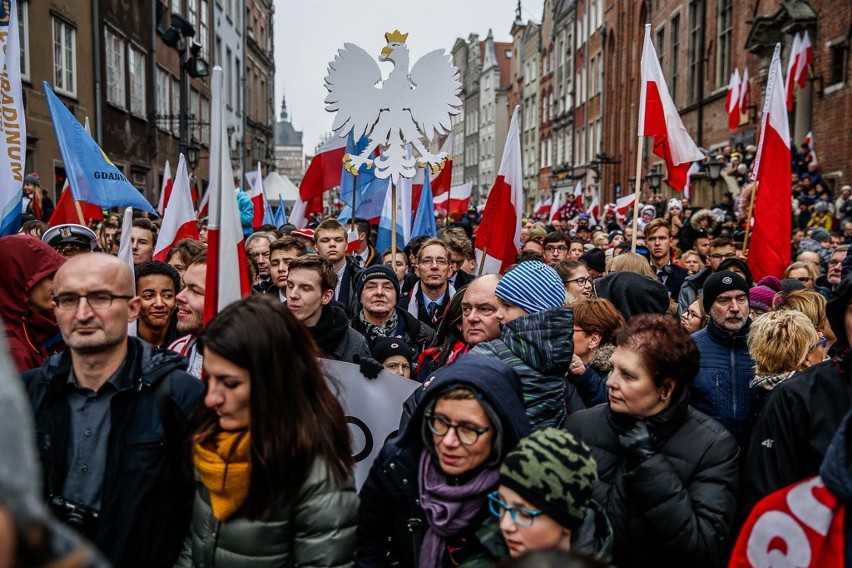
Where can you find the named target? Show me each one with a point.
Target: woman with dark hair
(448, 343)
(425, 501)
(271, 449)
(595, 323)
(667, 474)
(575, 277)
(181, 255)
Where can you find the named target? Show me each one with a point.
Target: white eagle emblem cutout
(403, 109)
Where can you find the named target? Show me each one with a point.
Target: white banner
(373, 408)
(13, 128)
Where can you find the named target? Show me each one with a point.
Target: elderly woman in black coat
(667, 473)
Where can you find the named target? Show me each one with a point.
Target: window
(136, 66)
(175, 107)
(192, 12)
(229, 73)
(163, 81)
(660, 44)
(696, 9)
(837, 69)
(115, 79)
(238, 93)
(723, 53)
(64, 57)
(203, 26)
(24, 38)
(674, 53)
(487, 82)
(176, 7)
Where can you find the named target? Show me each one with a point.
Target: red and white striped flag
(745, 91)
(322, 175)
(772, 208)
(732, 101)
(498, 237)
(459, 200)
(555, 207)
(809, 140)
(805, 60)
(578, 196)
(227, 271)
(792, 65)
(439, 182)
(658, 117)
(542, 208)
(258, 198)
(165, 189)
(179, 216)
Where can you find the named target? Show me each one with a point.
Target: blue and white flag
(13, 128)
(424, 218)
(93, 178)
(371, 191)
(383, 238)
(280, 213)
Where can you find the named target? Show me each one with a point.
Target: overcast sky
(308, 35)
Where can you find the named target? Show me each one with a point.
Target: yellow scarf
(222, 462)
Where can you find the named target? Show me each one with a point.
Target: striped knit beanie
(553, 471)
(533, 286)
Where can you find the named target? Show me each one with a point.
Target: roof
(500, 49)
(286, 135)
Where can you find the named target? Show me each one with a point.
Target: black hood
(836, 311)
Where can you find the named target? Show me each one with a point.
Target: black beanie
(594, 259)
(718, 283)
(386, 347)
(632, 293)
(378, 271)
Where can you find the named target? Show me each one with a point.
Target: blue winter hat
(533, 286)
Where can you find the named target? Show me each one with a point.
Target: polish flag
(809, 140)
(353, 240)
(622, 204)
(578, 196)
(66, 210)
(745, 91)
(555, 207)
(772, 209)
(322, 175)
(257, 196)
(439, 182)
(593, 211)
(179, 216)
(792, 65)
(498, 237)
(658, 117)
(806, 59)
(227, 270)
(732, 101)
(459, 200)
(165, 189)
(543, 208)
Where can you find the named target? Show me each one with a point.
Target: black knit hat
(386, 347)
(554, 472)
(632, 293)
(594, 259)
(738, 263)
(378, 271)
(720, 282)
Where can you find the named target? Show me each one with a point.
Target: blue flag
(93, 178)
(383, 238)
(268, 214)
(370, 195)
(424, 219)
(281, 213)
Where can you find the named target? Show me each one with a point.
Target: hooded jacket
(690, 231)
(591, 385)
(24, 262)
(539, 348)
(690, 289)
(335, 338)
(147, 491)
(391, 522)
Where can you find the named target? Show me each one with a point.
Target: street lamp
(193, 153)
(713, 167)
(654, 177)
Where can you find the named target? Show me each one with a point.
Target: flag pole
(80, 213)
(750, 212)
(481, 266)
(449, 195)
(352, 217)
(393, 223)
(639, 147)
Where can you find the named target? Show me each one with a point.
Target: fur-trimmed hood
(600, 360)
(696, 218)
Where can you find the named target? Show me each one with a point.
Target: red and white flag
(165, 189)
(66, 209)
(227, 271)
(772, 209)
(439, 182)
(542, 207)
(658, 117)
(555, 207)
(745, 91)
(322, 175)
(578, 196)
(809, 140)
(593, 210)
(257, 196)
(805, 60)
(458, 197)
(179, 216)
(498, 237)
(622, 204)
(792, 65)
(732, 101)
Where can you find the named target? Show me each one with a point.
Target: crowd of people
(616, 398)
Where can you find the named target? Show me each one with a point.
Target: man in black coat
(658, 237)
(112, 418)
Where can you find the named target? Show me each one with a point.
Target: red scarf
(801, 524)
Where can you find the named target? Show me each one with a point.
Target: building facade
(259, 86)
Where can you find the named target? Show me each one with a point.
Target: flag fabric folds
(745, 91)
(772, 223)
(792, 65)
(454, 201)
(732, 101)
(323, 174)
(13, 128)
(93, 178)
(555, 207)
(383, 237)
(424, 218)
(805, 60)
(125, 254)
(66, 210)
(257, 196)
(440, 182)
(165, 189)
(370, 191)
(280, 213)
(658, 117)
(227, 271)
(809, 140)
(179, 216)
(498, 237)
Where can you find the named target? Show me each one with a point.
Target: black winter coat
(676, 507)
(148, 490)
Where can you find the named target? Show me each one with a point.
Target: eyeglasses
(723, 256)
(691, 314)
(581, 281)
(96, 300)
(554, 248)
(822, 342)
(466, 433)
(520, 516)
(433, 261)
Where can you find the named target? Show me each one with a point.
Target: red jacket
(24, 262)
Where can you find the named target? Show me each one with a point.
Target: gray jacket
(317, 529)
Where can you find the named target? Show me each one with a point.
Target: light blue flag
(424, 219)
(370, 195)
(93, 178)
(281, 213)
(383, 238)
(268, 214)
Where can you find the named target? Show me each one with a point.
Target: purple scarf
(449, 508)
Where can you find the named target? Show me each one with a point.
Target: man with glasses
(721, 249)
(257, 250)
(833, 276)
(721, 388)
(112, 415)
(281, 253)
(556, 245)
(432, 292)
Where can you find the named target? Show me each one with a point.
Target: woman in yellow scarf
(271, 449)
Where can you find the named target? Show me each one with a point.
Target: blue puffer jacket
(721, 389)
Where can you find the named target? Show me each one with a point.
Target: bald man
(115, 414)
